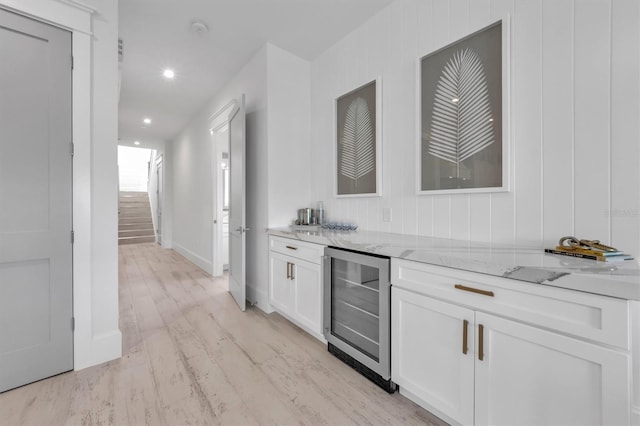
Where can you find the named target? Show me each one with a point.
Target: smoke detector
(199, 28)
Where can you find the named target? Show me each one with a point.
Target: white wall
(575, 113)
(277, 88)
(289, 160)
(106, 339)
(191, 157)
(133, 168)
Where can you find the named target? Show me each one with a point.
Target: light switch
(386, 214)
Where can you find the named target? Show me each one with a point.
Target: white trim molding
(69, 14)
(195, 258)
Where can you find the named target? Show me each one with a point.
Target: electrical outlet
(386, 214)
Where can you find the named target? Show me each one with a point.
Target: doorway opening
(221, 199)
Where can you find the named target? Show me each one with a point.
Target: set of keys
(573, 242)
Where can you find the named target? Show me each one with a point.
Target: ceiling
(158, 34)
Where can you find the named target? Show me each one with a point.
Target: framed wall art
(358, 139)
(463, 114)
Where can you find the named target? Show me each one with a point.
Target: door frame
(89, 349)
(217, 122)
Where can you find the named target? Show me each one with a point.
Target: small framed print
(358, 139)
(463, 114)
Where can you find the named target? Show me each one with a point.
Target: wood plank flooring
(191, 357)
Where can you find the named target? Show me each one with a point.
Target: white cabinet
(562, 359)
(295, 282)
(427, 353)
(280, 284)
(308, 295)
(531, 376)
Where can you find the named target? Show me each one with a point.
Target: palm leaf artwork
(461, 122)
(358, 141)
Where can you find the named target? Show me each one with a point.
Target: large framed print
(358, 140)
(464, 114)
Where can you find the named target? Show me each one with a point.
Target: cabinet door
(531, 376)
(308, 295)
(427, 339)
(280, 283)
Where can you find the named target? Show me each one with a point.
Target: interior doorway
(220, 167)
(138, 188)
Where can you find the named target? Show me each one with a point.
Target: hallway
(191, 357)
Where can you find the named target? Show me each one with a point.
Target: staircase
(135, 225)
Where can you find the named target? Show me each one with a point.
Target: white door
(237, 205)
(530, 376)
(432, 354)
(36, 337)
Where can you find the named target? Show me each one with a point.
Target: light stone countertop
(520, 262)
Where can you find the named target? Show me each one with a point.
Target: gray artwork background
(484, 169)
(367, 183)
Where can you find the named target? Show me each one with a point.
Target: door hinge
(73, 149)
(72, 62)
(73, 237)
(73, 323)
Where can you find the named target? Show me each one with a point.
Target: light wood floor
(191, 357)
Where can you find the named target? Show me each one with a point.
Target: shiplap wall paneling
(459, 28)
(625, 124)
(392, 108)
(503, 208)
(479, 204)
(574, 104)
(592, 151)
(425, 23)
(410, 25)
(557, 119)
(527, 119)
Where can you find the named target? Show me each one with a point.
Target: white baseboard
(100, 349)
(198, 260)
(259, 298)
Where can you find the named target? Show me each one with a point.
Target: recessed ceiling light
(147, 120)
(136, 143)
(169, 73)
(199, 28)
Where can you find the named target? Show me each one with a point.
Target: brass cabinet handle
(474, 290)
(292, 248)
(288, 270)
(480, 342)
(292, 266)
(465, 326)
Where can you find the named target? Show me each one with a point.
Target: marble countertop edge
(519, 261)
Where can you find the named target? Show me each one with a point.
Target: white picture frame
(347, 186)
(428, 170)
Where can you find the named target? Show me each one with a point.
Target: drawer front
(299, 249)
(597, 318)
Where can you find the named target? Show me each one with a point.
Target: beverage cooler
(357, 320)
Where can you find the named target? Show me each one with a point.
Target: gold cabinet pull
(288, 270)
(474, 290)
(465, 326)
(292, 248)
(292, 276)
(480, 342)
